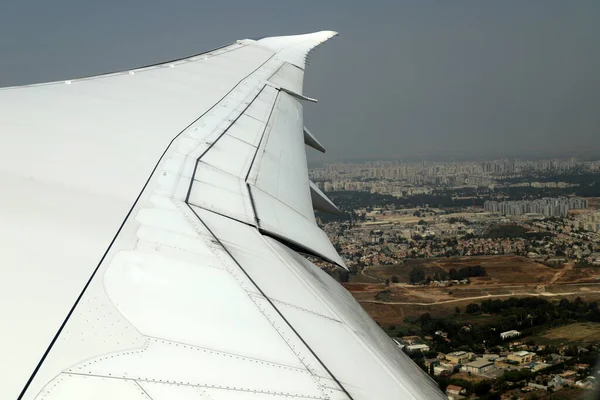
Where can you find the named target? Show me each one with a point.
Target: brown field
(507, 276)
(394, 314)
(593, 202)
(508, 270)
(580, 275)
(581, 332)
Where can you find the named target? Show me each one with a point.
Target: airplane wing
(154, 226)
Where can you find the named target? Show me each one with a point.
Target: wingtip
(307, 40)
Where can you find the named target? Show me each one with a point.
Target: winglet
(294, 49)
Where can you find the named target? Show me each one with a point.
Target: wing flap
(289, 77)
(220, 192)
(279, 220)
(280, 168)
(261, 153)
(279, 184)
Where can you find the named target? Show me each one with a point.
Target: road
(568, 267)
(489, 296)
(362, 271)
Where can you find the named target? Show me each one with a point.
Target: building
(417, 347)
(478, 367)
(458, 357)
(539, 366)
(490, 357)
(558, 382)
(522, 357)
(587, 383)
(548, 207)
(509, 334)
(442, 369)
(454, 391)
(538, 386)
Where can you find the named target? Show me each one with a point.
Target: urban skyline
(410, 178)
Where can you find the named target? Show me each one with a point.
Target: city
(456, 262)
(411, 178)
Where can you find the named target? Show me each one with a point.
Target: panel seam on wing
(225, 354)
(303, 309)
(207, 386)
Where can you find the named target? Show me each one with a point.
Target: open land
(580, 332)
(507, 276)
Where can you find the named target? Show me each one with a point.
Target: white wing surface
(152, 226)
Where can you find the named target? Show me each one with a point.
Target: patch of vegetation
(472, 308)
(466, 272)
(417, 274)
(529, 315)
(505, 232)
(384, 295)
(585, 264)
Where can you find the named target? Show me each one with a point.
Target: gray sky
(404, 78)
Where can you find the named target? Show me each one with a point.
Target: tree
(453, 274)
(564, 304)
(395, 279)
(422, 222)
(416, 275)
(384, 295)
(425, 318)
(457, 310)
(472, 308)
(481, 388)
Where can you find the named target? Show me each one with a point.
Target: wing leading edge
(192, 287)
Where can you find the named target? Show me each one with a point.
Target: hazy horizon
(404, 79)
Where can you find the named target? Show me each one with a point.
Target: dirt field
(507, 270)
(507, 276)
(582, 332)
(593, 202)
(394, 314)
(576, 275)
